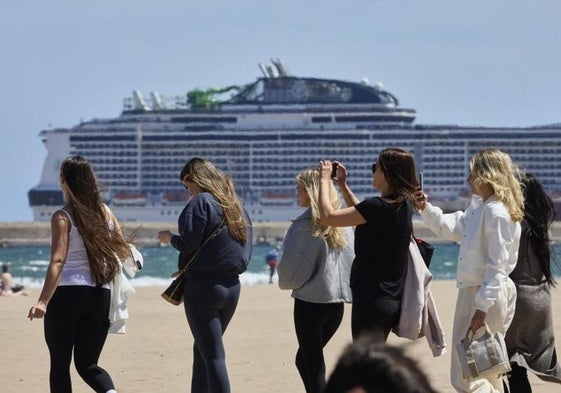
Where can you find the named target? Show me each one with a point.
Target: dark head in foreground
(367, 366)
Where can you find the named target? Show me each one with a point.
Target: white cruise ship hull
(266, 134)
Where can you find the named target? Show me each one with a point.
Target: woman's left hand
(37, 311)
(478, 320)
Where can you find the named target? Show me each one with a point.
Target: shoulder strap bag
(174, 292)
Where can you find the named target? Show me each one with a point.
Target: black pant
(77, 319)
(518, 380)
(210, 303)
(376, 317)
(315, 324)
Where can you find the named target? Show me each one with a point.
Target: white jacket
(418, 316)
(488, 245)
(122, 290)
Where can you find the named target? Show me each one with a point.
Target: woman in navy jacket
(211, 286)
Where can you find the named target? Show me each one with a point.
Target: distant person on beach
(489, 234)
(7, 287)
(383, 232)
(86, 244)
(211, 286)
(368, 366)
(530, 340)
(272, 259)
(316, 265)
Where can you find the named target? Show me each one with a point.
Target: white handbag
(484, 355)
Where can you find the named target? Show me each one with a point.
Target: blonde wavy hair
(495, 168)
(210, 179)
(309, 180)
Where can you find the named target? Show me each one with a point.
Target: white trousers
(498, 318)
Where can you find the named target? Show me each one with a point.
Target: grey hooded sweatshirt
(315, 273)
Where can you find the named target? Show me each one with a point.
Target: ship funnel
(156, 100)
(281, 67)
(271, 71)
(263, 70)
(139, 101)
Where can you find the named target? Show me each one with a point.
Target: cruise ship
(262, 134)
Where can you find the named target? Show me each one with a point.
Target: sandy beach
(155, 353)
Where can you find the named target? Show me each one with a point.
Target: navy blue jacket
(221, 255)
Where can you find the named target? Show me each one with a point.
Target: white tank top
(76, 269)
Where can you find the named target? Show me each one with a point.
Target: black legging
(77, 319)
(518, 380)
(315, 324)
(210, 302)
(376, 317)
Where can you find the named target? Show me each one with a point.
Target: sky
(476, 62)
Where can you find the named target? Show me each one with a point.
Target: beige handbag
(483, 356)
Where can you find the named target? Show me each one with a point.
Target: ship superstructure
(263, 134)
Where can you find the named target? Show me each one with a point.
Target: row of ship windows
(230, 150)
(478, 145)
(457, 159)
(265, 164)
(532, 164)
(472, 142)
(543, 157)
(174, 145)
(114, 161)
(171, 183)
(103, 146)
(264, 171)
(437, 154)
(288, 169)
(445, 150)
(107, 153)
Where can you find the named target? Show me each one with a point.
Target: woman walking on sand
(383, 232)
(85, 249)
(530, 340)
(211, 286)
(489, 234)
(316, 265)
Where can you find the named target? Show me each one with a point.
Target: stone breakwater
(145, 234)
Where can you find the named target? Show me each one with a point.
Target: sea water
(28, 264)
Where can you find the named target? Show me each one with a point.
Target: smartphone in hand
(334, 167)
(421, 181)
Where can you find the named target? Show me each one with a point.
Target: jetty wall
(145, 234)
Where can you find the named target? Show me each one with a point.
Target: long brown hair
(103, 246)
(398, 166)
(210, 179)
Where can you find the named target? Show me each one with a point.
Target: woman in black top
(383, 231)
